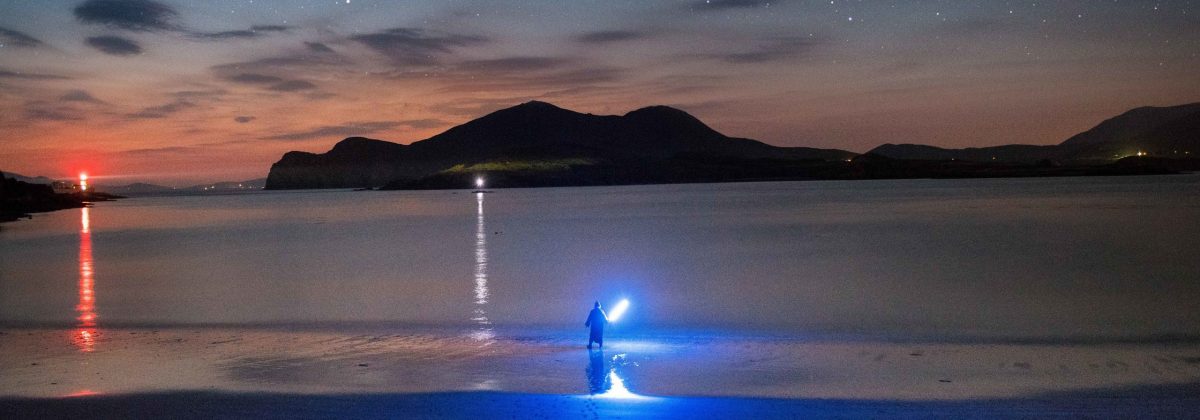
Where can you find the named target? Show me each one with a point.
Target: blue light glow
(618, 310)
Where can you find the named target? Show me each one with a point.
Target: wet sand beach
(273, 372)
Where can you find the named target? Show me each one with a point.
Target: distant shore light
(83, 181)
(479, 182)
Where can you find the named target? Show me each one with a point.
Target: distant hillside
(1007, 153)
(137, 188)
(1163, 132)
(247, 185)
(29, 179)
(537, 143)
(1172, 132)
(143, 189)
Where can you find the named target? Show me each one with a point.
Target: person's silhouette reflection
(597, 373)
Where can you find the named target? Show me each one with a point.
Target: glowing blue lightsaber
(618, 310)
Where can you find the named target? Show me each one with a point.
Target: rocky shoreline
(18, 200)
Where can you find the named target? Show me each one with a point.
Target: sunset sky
(178, 92)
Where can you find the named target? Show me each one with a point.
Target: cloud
(318, 47)
(521, 75)
(270, 28)
(149, 15)
(254, 78)
(518, 74)
(274, 83)
(42, 111)
(512, 64)
(161, 150)
(199, 94)
(604, 37)
(80, 95)
(11, 38)
(254, 32)
(424, 123)
(242, 119)
(317, 95)
(345, 130)
(716, 5)
(162, 111)
(776, 49)
(133, 15)
(8, 74)
(292, 86)
(407, 46)
(114, 45)
(45, 114)
(298, 63)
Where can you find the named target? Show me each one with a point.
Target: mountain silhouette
(537, 143)
(1164, 132)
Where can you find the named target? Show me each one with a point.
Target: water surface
(1054, 257)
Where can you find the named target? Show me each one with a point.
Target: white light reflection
(614, 387)
(618, 391)
(484, 332)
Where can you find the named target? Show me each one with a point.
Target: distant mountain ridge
(1165, 132)
(142, 188)
(40, 180)
(539, 144)
(652, 144)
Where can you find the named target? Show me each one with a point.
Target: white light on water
(618, 310)
(479, 182)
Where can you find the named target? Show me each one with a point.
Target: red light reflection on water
(84, 336)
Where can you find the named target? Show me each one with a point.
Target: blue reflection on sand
(603, 379)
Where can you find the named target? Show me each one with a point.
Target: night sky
(173, 91)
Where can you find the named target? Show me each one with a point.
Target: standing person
(596, 319)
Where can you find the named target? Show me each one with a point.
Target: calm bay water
(1052, 257)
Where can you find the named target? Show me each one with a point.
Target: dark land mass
(145, 189)
(537, 144)
(28, 179)
(18, 199)
(224, 187)
(1160, 132)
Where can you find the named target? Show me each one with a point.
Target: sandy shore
(1151, 402)
(455, 373)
